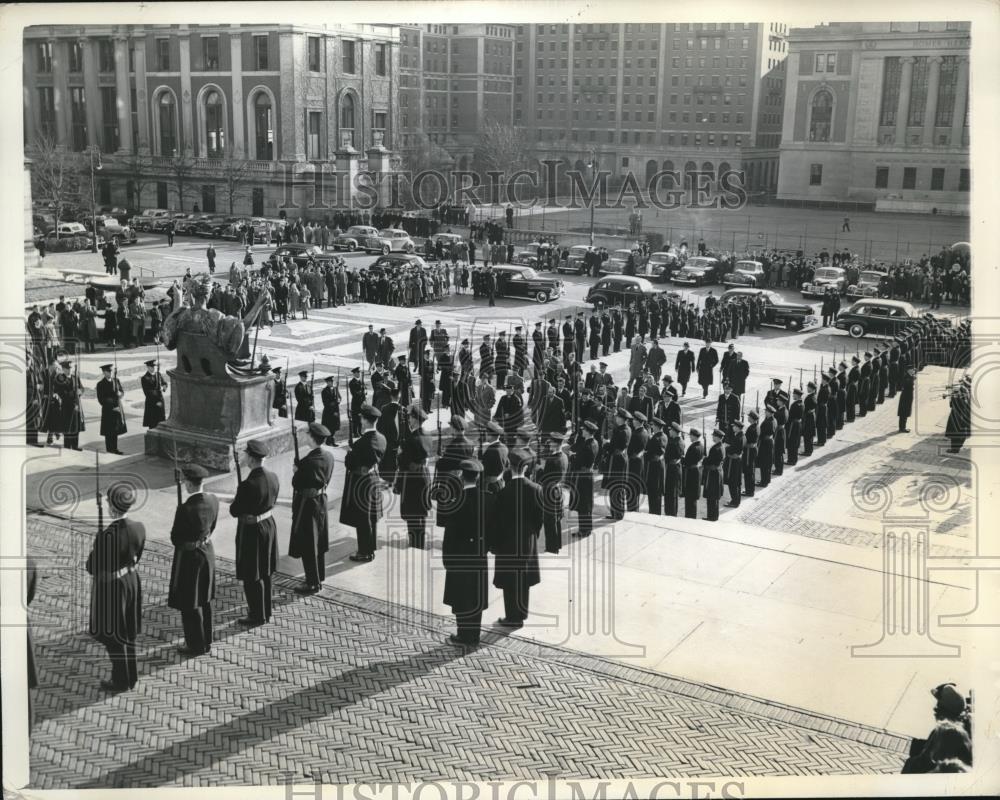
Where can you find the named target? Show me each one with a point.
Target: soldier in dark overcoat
(551, 478)
(330, 397)
(116, 594)
(583, 465)
(713, 479)
(673, 479)
(361, 503)
(464, 551)
(447, 479)
(153, 386)
(413, 481)
(68, 388)
(192, 575)
(109, 395)
(310, 536)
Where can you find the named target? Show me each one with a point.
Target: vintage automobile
(823, 279)
(188, 225)
(361, 237)
(660, 266)
(394, 262)
(398, 239)
(145, 220)
(777, 311)
(109, 229)
(745, 273)
(446, 239)
(617, 260)
(698, 271)
(875, 316)
(574, 260)
(516, 281)
(527, 256)
(624, 289)
(209, 227)
(300, 253)
(68, 236)
(871, 283)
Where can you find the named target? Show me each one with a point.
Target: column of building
(60, 76)
(124, 95)
(903, 104)
(961, 100)
(618, 93)
(32, 112)
(930, 107)
(92, 92)
(238, 102)
(142, 106)
(188, 123)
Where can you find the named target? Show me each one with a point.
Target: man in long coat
(417, 344)
(905, 407)
(464, 553)
(256, 534)
(192, 576)
(707, 359)
(412, 482)
(116, 595)
(361, 503)
(153, 386)
(310, 537)
(684, 366)
(515, 525)
(551, 477)
(330, 396)
(583, 465)
(67, 388)
(713, 479)
(109, 395)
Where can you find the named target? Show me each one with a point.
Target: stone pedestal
(210, 408)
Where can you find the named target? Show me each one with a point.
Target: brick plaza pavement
(341, 688)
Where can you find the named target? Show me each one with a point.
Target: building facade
(878, 113)
(212, 102)
(644, 97)
(452, 80)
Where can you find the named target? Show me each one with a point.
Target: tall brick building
(878, 113)
(266, 99)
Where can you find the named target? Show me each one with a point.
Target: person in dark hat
(310, 536)
(495, 458)
(551, 477)
(116, 593)
(770, 397)
(905, 404)
(109, 394)
(583, 465)
(735, 442)
(510, 410)
(615, 480)
(727, 408)
(413, 479)
(464, 551)
(708, 357)
(809, 407)
(865, 385)
(655, 474)
(693, 473)
(330, 397)
(67, 411)
(765, 446)
(853, 389)
(256, 534)
(517, 521)
(793, 437)
(780, 431)
(153, 387)
(673, 471)
(357, 392)
(361, 503)
(684, 365)
(636, 453)
(192, 576)
(417, 345)
(840, 386)
(428, 385)
(751, 437)
(447, 471)
(280, 402)
(369, 344)
(713, 479)
(404, 382)
(304, 411)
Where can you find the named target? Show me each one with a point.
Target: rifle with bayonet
(97, 487)
(177, 472)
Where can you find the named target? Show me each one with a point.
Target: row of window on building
(907, 179)
(640, 27)
(641, 137)
(947, 91)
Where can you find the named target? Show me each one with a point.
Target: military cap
(590, 425)
(797, 392)
(493, 427)
(464, 341)
(194, 472)
(556, 436)
(121, 496)
(810, 385)
(676, 426)
(276, 370)
(458, 423)
(694, 432)
(718, 434)
(355, 370)
(782, 396)
(770, 408)
(602, 364)
(402, 357)
(521, 455)
(753, 415)
(855, 360)
(657, 421)
(418, 322)
(579, 313)
(737, 422)
(255, 447)
(65, 362)
(470, 465)
(318, 431)
(831, 371)
(868, 355)
(107, 367)
(842, 365)
(623, 412)
(639, 416)
(417, 412)
(538, 324)
(328, 378)
(150, 363)
(777, 381)
(304, 373)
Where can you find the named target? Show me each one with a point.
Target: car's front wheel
(793, 324)
(541, 297)
(385, 249)
(856, 330)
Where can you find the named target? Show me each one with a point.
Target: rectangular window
(208, 198)
(315, 63)
(162, 200)
(379, 119)
(937, 179)
(106, 55)
(260, 62)
(314, 127)
(210, 52)
(104, 191)
(109, 119)
(43, 61)
(963, 180)
(815, 174)
(947, 86)
(380, 59)
(890, 90)
(881, 177)
(76, 56)
(909, 177)
(918, 91)
(47, 111)
(78, 116)
(348, 60)
(163, 55)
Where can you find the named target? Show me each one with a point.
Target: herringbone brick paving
(332, 691)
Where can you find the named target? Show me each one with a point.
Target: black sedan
(299, 252)
(777, 311)
(515, 281)
(625, 289)
(698, 271)
(874, 316)
(394, 262)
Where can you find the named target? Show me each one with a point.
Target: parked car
(660, 266)
(618, 259)
(119, 213)
(823, 279)
(777, 310)
(393, 262)
(300, 252)
(698, 271)
(109, 229)
(361, 237)
(145, 220)
(398, 239)
(876, 316)
(446, 239)
(210, 227)
(515, 281)
(624, 289)
(745, 273)
(575, 260)
(71, 236)
(189, 224)
(871, 283)
(527, 256)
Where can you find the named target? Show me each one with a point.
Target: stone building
(191, 115)
(878, 113)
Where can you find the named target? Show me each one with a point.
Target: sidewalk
(343, 688)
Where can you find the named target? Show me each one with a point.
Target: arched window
(651, 170)
(263, 127)
(347, 121)
(821, 117)
(166, 111)
(689, 169)
(215, 136)
(709, 169)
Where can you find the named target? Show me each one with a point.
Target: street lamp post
(593, 172)
(92, 151)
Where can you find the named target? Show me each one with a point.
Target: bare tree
(55, 176)
(501, 148)
(138, 170)
(235, 176)
(423, 156)
(182, 168)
